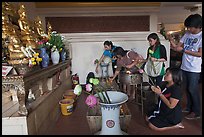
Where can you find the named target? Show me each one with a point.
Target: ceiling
(113, 4)
(176, 4)
(95, 4)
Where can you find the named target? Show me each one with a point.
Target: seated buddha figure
(8, 8)
(5, 26)
(49, 29)
(38, 26)
(14, 46)
(16, 56)
(26, 31)
(34, 30)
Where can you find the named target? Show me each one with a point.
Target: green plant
(56, 41)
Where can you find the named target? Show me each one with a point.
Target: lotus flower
(94, 81)
(88, 87)
(91, 101)
(77, 90)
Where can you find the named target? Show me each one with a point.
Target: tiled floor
(76, 123)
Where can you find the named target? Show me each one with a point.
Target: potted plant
(56, 43)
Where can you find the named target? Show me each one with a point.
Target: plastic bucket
(69, 95)
(66, 106)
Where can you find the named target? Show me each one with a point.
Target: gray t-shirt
(191, 42)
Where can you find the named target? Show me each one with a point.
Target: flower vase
(45, 57)
(111, 113)
(55, 56)
(63, 55)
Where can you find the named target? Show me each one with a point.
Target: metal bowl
(131, 79)
(146, 86)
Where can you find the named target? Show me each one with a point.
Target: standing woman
(108, 47)
(156, 56)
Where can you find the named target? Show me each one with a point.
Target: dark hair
(109, 43)
(154, 36)
(119, 51)
(176, 75)
(194, 20)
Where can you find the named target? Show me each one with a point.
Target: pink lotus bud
(88, 87)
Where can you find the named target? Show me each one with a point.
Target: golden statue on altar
(49, 29)
(13, 43)
(34, 30)
(8, 8)
(38, 26)
(26, 31)
(5, 26)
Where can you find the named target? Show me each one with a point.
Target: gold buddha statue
(38, 26)
(14, 47)
(5, 26)
(26, 31)
(49, 29)
(7, 8)
(13, 43)
(34, 31)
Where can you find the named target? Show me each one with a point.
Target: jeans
(191, 80)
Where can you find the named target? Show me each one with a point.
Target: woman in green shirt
(157, 54)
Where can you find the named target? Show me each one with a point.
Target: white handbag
(153, 68)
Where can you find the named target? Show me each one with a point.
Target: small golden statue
(8, 8)
(49, 30)
(26, 31)
(38, 26)
(16, 56)
(14, 47)
(34, 31)
(5, 26)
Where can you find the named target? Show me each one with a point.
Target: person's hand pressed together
(157, 89)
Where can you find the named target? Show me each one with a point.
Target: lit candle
(128, 72)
